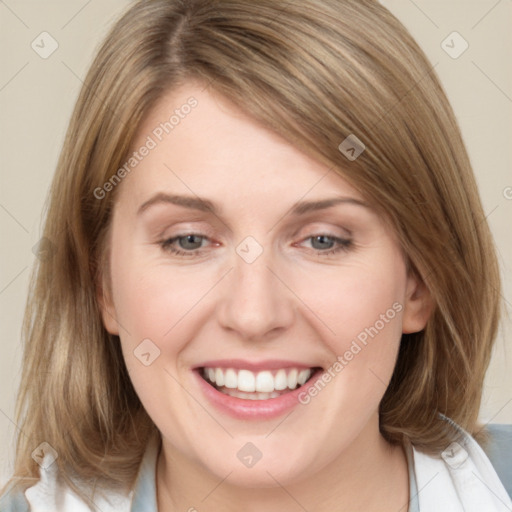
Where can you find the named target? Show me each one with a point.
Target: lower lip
(254, 409)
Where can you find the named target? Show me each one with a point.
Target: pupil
(189, 239)
(323, 239)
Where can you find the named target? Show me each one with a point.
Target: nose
(257, 303)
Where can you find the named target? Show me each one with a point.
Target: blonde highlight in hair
(314, 72)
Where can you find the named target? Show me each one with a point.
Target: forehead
(200, 143)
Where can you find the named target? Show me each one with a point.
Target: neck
(370, 475)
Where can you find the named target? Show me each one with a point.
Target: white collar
(460, 479)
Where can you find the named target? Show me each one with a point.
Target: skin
(292, 302)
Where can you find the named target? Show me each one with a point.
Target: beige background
(37, 96)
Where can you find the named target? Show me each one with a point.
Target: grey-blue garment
(414, 505)
(499, 451)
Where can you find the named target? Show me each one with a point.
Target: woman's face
(236, 258)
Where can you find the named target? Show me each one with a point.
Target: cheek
(358, 301)
(150, 298)
(152, 311)
(151, 306)
(361, 311)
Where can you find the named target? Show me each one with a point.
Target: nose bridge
(255, 301)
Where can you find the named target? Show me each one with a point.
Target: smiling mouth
(263, 385)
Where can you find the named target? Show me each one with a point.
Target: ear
(108, 311)
(418, 304)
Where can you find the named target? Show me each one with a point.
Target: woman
(273, 286)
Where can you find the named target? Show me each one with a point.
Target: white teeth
(249, 396)
(219, 377)
(256, 385)
(303, 376)
(246, 381)
(280, 380)
(264, 382)
(292, 379)
(231, 379)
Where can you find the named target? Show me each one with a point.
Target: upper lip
(255, 366)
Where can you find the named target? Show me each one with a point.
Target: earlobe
(418, 305)
(108, 313)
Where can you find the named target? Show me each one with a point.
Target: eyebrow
(205, 205)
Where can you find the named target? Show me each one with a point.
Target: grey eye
(190, 242)
(325, 242)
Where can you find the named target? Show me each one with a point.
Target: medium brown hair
(314, 72)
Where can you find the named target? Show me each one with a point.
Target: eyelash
(343, 245)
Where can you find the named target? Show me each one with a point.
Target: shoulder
(463, 477)
(48, 493)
